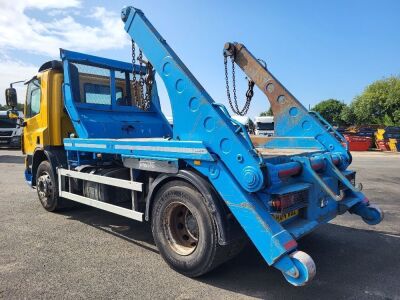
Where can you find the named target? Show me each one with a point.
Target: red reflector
(282, 202)
(291, 244)
(285, 201)
(276, 204)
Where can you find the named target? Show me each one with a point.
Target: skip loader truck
(94, 133)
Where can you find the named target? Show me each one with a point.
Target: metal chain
(143, 100)
(149, 85)
(135, 91)
(249, 94)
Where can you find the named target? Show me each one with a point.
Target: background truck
(264, 125)
(94, 134)
(10, 132)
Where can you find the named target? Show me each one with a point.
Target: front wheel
(184, 230)
(47, 188)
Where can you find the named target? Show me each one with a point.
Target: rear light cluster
(288, 202)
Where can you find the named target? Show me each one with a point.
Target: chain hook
(250, 90)
(143, 100)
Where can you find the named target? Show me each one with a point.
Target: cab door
(35, 117)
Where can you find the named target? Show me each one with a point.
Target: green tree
(379, 103)
(267, 113)
(347, 115)
(331, 110)
(20, 107)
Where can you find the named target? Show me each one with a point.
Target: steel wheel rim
(180, 228)
(44, 187)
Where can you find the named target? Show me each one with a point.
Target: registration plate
(3, 141)
(283, 217)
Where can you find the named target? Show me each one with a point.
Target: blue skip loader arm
(238, 173)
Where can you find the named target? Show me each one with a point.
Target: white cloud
(60, 30)
(13, 70)
(42, 4)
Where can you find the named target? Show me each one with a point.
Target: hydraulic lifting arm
(196, 116)
(295, 127)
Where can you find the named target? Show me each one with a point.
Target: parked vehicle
(94, 134)
(10, 132)
(264, 125)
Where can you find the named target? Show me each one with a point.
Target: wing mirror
(11, 97)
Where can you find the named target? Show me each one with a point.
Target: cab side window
(33, 98)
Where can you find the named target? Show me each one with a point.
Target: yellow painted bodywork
(52, 124)
(13, 115)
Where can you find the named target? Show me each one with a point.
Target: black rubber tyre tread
(207, 256)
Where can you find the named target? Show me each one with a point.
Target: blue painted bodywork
(28, 177)
(291, 132)
(203, 131)
(110, 121)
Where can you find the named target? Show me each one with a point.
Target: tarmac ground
(88, 253)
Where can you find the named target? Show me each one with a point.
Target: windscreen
(265, 126)
(6, 122)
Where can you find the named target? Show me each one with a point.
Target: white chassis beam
(126, 184)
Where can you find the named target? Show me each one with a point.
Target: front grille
(6, 133)
(4, 141)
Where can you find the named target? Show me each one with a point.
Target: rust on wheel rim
(181, 228)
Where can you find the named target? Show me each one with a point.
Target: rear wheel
(184, 230)
(47, 188)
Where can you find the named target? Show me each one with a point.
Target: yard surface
(87, 253)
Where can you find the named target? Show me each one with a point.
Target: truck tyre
(47, 187)
(184, 230)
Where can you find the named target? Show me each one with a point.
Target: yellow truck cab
(46, 122)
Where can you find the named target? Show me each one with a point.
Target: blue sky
(317, 49)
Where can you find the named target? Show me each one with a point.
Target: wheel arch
(226, 226)
(55, 155)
